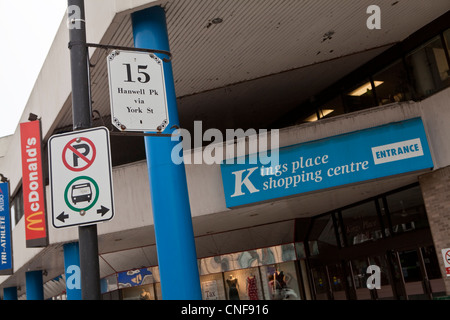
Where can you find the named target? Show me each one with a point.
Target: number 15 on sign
(137, 91)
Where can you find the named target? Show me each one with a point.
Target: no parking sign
(81, 178)
(446, 257)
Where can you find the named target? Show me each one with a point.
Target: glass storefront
(271, 282)
(261, 274)
(389, 232)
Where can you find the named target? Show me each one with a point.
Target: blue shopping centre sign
(5, 231)
(364, 155)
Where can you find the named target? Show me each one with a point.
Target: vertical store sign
(33, 185)
(5, 232)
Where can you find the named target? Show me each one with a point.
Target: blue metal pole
(10, 293)
(34, 285)
(177, 258)
(72, 271)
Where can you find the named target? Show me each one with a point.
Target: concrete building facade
(333, 87)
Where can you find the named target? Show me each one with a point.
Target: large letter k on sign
(246, 181)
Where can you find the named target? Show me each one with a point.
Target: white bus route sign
(80, 177)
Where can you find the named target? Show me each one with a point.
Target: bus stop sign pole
(82, 115)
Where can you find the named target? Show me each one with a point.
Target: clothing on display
(279, 276)
(233, 288)
(252, 290)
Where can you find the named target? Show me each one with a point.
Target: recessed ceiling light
(323, 113)
(365, 88)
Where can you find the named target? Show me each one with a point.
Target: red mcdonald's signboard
(33, 185)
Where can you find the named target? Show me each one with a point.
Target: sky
(27, 30)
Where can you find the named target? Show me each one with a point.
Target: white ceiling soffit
(260, 38)
(263, 37)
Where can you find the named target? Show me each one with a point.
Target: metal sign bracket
(113, 47)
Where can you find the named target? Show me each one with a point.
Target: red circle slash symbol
(80, 152)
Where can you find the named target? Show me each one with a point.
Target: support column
(34, 285)
(10, 293)
(72, 271)
(177, 258)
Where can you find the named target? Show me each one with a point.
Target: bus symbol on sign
(81, 177)
(81, 192)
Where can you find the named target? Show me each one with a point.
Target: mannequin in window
(277, 283)
(279, 288)
(145, 295)
(233, 286)
(281, 279)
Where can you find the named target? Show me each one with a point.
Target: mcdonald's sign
(33, 185)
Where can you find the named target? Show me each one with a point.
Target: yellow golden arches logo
(32, 222)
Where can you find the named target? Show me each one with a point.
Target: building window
(331, 108)
(361, 96)
(411, 76)
(393, 84)
(307, 112)
(410, 268)
(321, 283)
(322, 237)
(447, 40)
(394, 213)
(428, 67)
(17, 207)
(361, 223)
(431, 262)
(407, 210)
